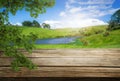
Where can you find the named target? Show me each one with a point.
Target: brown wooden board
(62, 72)
(67, 63)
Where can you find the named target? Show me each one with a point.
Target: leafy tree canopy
(116, 15)
(35, 7)
(31, 24)
(35, 23)
(11, 38)
(45, 25)
(27, 23)
(115, 21)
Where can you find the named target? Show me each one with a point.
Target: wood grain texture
(62, 72)
(67, 63)
(71, 61)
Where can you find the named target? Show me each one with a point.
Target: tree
(8, 24)
(27, 23)
(35, 23)
(11, 38)
(115, 21)
(46, 25)
(31, 24)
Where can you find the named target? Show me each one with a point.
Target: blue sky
(72, 13)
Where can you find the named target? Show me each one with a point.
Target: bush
(84, 42)
(106, 34)
(99, 31)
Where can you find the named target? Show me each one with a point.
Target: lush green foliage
(27, 23)
(45, 25)
(35, 7)
(11, 38)
(36, 23)
(115, 21)
(31, 24)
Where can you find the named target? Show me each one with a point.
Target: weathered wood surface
(67, 63)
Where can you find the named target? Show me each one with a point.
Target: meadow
(90, 37)
(50, 33)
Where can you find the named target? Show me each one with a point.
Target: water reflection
(64, 40)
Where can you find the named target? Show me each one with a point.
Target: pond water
(64, 40)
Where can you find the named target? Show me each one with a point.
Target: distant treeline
(34, 23)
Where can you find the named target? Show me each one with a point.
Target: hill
(107, 39)
(90, 37)
(66, 32)
(50, 33)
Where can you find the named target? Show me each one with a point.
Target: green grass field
(101, 41)
(92, 37)
(66, 32)
(50, 33)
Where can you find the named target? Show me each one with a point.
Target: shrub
(106, 34)
(84, 42)
(99, 31)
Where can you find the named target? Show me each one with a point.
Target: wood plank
(61, 51)
(62, 72)
(67, 63)
(73, 53)
(61, 61)
(107, 55)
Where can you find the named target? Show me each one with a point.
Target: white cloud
(54, 24)
(19, 24)
(81, 13)
(75, 23)
(71, 1)
(74, 10)
(98, 2)
(63, 14)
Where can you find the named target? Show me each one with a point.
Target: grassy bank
(101, 40)
(93, 41)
